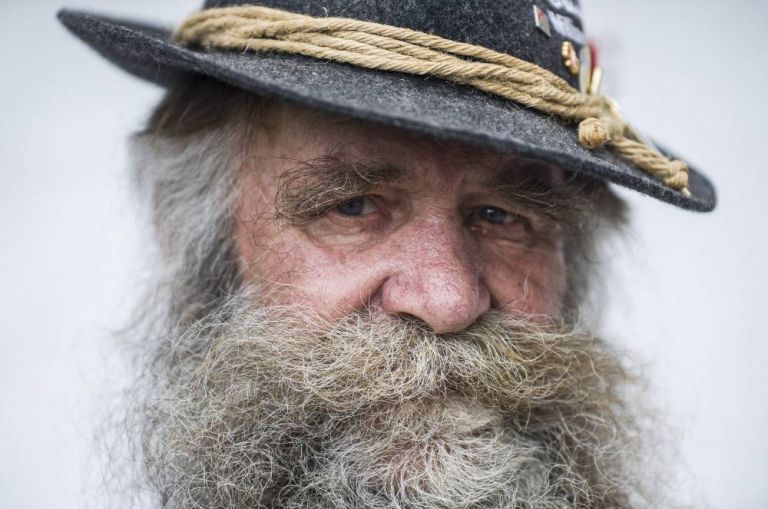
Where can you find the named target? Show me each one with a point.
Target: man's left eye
(498, 223)
(494, 215)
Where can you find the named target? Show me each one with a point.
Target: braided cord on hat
(388, 48)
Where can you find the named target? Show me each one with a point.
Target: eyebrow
(312, 187)
(527, 183)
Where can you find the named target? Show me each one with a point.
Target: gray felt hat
(532, 30)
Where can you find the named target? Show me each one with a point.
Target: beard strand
(261, 406)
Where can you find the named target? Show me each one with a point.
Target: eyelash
(376, 219)
(516, 228)
(367, 200)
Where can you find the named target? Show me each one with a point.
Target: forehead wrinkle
(423, 147)
(346, 169)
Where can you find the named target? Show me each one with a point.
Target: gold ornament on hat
(570, 58)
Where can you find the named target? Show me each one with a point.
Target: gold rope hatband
(388, 48)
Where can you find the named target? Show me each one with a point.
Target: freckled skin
(415, 255)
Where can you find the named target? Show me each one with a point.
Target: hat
(514, 75)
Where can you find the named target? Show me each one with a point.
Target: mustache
(366, 359)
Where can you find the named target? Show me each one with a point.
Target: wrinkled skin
(398, 334)
(426, 245)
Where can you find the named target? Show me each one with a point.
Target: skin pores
(338, 215)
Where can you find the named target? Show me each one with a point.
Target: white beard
(454, 454)
(257, 407)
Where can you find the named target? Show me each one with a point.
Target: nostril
(408, 317)
(444, 296)
(494, 302)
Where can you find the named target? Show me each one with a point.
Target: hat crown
(507, 26)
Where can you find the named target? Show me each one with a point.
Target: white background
(688, 296)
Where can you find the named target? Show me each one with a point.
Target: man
(377, 227)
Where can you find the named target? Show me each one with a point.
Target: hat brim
(424, 105)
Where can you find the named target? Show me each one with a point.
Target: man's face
(398, 335)
(340, 215)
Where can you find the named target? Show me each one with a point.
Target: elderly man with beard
(376, 245)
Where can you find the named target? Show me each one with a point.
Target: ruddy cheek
(530, 284)
(268, 256)
(547, 286)
(292, 271)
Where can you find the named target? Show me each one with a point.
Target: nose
(436, 280)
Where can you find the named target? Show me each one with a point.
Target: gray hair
(187, 165)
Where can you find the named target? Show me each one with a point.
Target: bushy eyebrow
(528, 184)
(313, 187)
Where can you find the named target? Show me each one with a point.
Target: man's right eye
(358, 206)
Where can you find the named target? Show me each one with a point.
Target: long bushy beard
(267, 407)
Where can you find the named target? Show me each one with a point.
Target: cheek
(531, 282)
(290, 270)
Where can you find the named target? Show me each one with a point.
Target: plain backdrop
(688, 294)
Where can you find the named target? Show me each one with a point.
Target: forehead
(300, 134)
